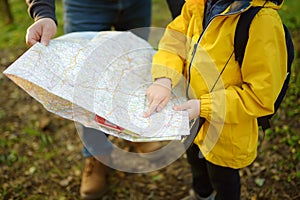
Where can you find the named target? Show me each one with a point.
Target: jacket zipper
(198, 42)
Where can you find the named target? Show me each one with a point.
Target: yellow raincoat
(232, 97)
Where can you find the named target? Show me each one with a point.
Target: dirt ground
(41, 159)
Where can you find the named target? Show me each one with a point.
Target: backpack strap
(240, 43)
(264, 122)
(242, 33)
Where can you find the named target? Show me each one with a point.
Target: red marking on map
(105, 123)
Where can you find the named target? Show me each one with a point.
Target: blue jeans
(103, 15)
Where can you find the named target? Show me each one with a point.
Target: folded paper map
(99, 79)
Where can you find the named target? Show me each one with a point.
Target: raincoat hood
(237, 6)
(275, 4)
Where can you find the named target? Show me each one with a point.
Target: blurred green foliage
(290, 13)
(13, 35)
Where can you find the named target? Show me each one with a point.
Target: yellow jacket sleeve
(170, 59)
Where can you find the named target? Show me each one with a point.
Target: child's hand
(191, 106)
(159, 94)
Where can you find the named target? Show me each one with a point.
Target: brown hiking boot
(94, 179)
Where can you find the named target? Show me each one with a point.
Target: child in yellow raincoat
(199, 46)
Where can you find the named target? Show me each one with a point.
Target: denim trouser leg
(208, 177)
(95, 143)
(102, 15)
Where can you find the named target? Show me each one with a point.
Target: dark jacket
(38, 9)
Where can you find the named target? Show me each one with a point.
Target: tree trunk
(6, 13)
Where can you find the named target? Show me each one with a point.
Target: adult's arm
(39, 9)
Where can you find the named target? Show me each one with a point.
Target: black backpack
(240, 42)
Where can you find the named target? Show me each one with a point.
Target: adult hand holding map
(100, 78)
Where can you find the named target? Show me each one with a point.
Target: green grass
(161, 15)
